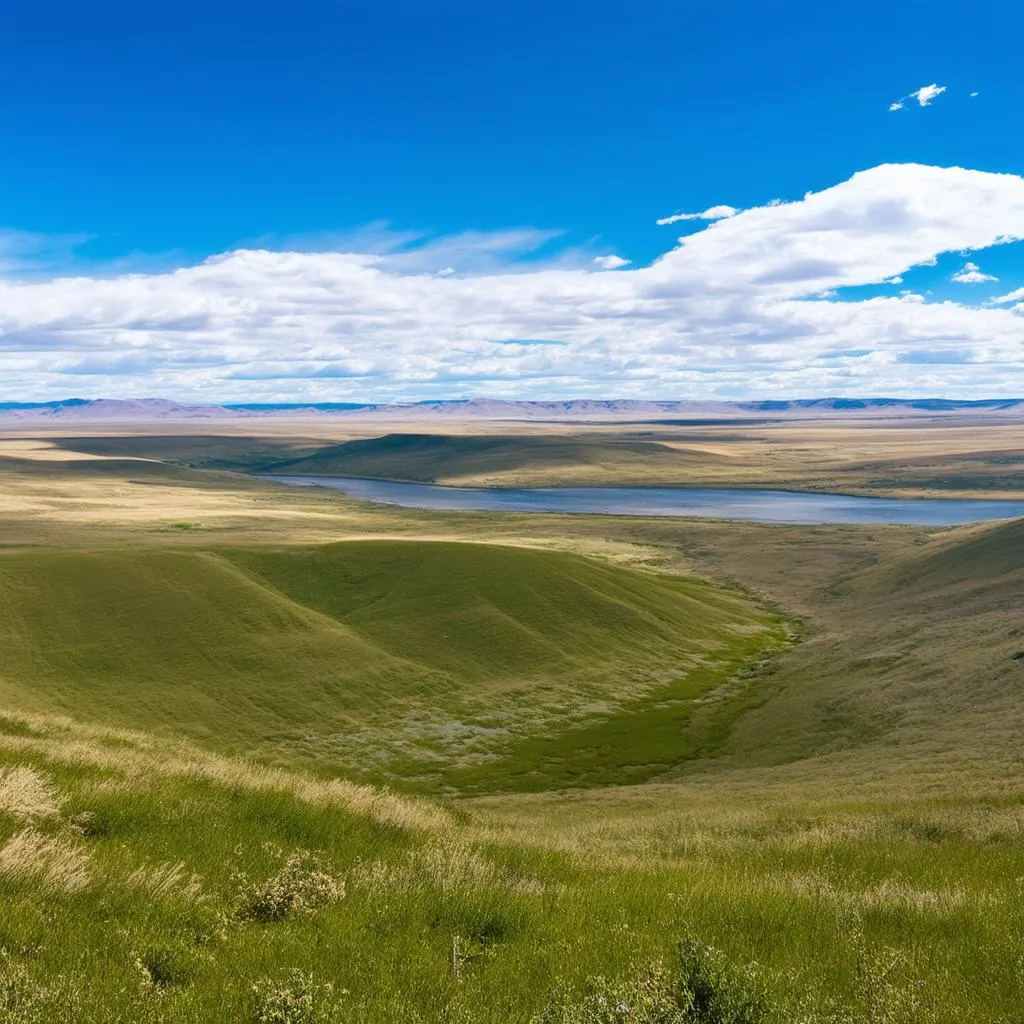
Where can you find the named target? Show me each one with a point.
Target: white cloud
(927, 93)
(712, 213)
(971, 273)
(611, 262)
(733, 309)
(1015, 296)
(924, 96)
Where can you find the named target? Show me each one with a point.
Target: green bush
(706, 988)
(162, 965)
(714, 990)
(297, 999)
(303, 884)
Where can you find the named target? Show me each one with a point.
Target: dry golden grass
(26, 795)
(53, 864)
(162, 880)
(136, 757)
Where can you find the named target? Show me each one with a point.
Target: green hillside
(666, 801)
(985, 556)
(376, 657)
(912, 661)
(506, 459)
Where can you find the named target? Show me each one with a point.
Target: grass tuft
(26, 795)
(52, 864)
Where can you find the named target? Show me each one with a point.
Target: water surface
(762, 506)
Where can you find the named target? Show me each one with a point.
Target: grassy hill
(145, 882)
(637, 793)
(409, 659)
(193, 451)
(988, 557)
(908, 674)
(504, 460)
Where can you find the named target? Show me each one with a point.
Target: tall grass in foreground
(149, 883)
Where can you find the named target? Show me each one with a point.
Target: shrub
(90, 825)
(303, 884)
(297, 999)
(714, 990)
(645, 999)
(706, 989)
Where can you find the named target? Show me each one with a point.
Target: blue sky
(490, 148)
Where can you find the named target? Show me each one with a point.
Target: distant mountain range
(149, 409)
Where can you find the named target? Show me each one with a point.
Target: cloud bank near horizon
(751, 304)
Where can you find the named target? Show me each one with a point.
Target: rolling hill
(507, 460)
(399, 657)
(831, 833)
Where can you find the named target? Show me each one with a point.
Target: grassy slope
(910, 662)
(132, 912)
(128, 469)
(502, 459)
(862, 841)
(198, 451)
(315, 653)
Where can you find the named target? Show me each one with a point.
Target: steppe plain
(270, 754)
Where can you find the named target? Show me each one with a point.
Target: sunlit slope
(180, 639)
(487, 612)
(115, 469)
(914, 662)
(365, 655)
(988, 557)
(148, 882)
(198, 451)
(501, 460)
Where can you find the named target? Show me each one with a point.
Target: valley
(257, 739)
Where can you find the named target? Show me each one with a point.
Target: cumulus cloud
(611, 262)
(924, 96)
(927, 93)
(712, 213)
(971, 273)
(1017, 295)
(755, 303)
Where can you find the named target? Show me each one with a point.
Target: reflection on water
(708, 502)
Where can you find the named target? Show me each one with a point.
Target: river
(764, 506)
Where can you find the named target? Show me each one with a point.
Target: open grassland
(781, 762)
(960, 453)
(856, 459)
(411, 660)
(502, 460)
(145, 881)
